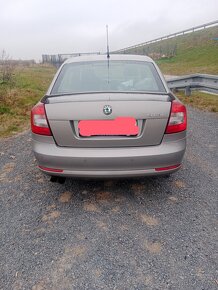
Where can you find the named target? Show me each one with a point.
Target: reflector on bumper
(167, 168)
(50, 169)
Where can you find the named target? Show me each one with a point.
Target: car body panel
(72, 155)
(151, 115)
(109, 162)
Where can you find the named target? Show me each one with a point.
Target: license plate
(121, 126)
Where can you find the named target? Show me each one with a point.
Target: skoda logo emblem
(107, 110)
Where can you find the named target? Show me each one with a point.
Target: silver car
(108, 117)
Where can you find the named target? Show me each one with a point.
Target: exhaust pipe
(60, 180)
(53, 178)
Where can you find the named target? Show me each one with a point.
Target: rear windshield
(104, 76)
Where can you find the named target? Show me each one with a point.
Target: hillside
(196, 52)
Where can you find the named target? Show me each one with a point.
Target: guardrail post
(188, 91)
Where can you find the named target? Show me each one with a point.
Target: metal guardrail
(188, 83)
(193, 29)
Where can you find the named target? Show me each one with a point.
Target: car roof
(101, 57)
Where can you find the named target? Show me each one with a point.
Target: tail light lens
(39, 122)
(178, 118)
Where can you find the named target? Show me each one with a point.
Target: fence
(58, 59)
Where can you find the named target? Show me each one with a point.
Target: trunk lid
(151, 112)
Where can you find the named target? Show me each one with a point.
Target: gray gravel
(149, 233)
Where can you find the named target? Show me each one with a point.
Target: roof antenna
(108, 52)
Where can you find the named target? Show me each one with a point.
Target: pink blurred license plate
(126, 126)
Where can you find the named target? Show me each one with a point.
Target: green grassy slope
(30, 84)
(195, 52)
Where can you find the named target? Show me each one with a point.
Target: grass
(201, 59)
(195, 52)
(202, 101)
(30, 84)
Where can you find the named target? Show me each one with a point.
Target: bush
(7, 68)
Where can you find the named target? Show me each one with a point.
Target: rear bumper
(110, 162)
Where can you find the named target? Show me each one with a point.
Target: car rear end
(144, 132)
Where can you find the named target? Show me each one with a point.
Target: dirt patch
(102, 225)
(149, 220)
(18, 285)
(91, 207)
(153, 247)
(18, 178)
(50, 207)
(41, 230)
(65, 197)
(124, 227)
(103, 196)
(148, 280)
(39, 286)
(173, 199)
(115, 209)
(7, 168)
(120, 199)
(97, 273)
(200, 273)
(45, 192)
(179, 183)
(76, 251)
(51, 216)
(138, 188)
(41, 180)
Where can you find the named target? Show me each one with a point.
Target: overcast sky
(30, 28)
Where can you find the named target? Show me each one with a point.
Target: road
(149, 233)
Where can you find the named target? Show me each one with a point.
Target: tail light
(39, 122)
(178, 118)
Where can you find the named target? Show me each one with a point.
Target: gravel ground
(149, 233)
